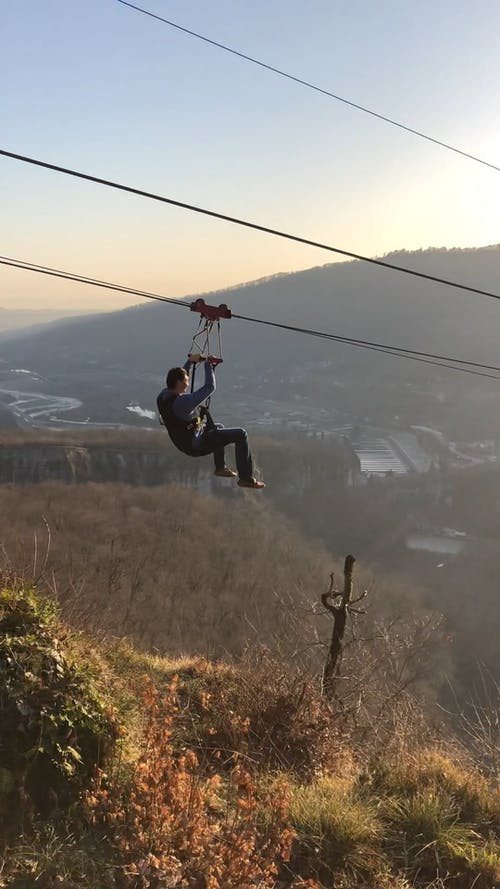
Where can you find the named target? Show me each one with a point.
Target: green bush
(55, 727)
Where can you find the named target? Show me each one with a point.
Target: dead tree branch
(338, 604)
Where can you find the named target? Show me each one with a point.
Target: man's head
(177, 380)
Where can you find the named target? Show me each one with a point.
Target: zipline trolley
(210, 317)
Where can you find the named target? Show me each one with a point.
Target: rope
(312, 86)
(445, 361)
(246, 224)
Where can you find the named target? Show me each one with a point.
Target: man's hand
(195, 359)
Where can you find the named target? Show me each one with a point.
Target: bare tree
(339, 605)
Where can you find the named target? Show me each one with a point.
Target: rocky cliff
(72, 464)
(292, 467)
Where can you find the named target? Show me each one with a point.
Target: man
(183, 415)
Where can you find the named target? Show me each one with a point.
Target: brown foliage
(171, 826)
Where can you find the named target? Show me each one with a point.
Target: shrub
(55, 725)
(261, 712)
(170, 826)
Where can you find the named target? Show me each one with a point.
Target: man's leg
(219, 459)
(219, 452)
(215, 440)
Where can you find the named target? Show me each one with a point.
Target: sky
(93, 85)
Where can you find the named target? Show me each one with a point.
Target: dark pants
(215, 440)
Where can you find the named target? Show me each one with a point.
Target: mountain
(349, 298)
(128, 351)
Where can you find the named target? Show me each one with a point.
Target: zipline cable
(246, 223)
(311, 86)
(396, 351)
(368, 344)
(83, 279)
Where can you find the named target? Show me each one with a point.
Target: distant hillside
(348, 298)
(110, 360)
(19, 319)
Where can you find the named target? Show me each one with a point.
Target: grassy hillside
(167, 566)
(124, 769)
(235, 559)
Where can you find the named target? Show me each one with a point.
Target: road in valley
(30, 408)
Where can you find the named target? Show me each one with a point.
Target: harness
(180, 431)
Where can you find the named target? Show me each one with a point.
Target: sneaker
(251, 483)
(225, 473)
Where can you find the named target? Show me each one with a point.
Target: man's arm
(184, 405)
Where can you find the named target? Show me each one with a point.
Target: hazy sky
(97, 86)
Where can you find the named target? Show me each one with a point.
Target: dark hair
(175, 375)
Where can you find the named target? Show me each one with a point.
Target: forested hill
(351, 298)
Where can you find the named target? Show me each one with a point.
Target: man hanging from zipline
(192, 429)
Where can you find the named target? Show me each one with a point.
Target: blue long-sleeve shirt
(186, 406)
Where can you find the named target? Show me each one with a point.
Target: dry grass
(337, 831)
(441, 818)
(440, 771)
